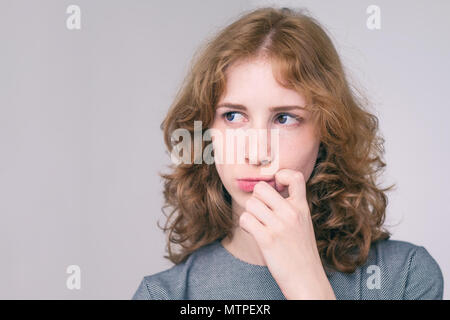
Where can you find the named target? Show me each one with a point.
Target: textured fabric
(403, 270)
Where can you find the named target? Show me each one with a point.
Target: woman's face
(252, 85)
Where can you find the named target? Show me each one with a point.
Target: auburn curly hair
(347, 206)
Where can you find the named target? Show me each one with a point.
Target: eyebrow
(273, 109)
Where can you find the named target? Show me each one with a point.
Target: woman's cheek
(297, 152)
(291, 148)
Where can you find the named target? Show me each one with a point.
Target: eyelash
(293, 116)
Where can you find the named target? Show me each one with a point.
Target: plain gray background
(80, 143)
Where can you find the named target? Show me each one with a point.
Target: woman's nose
(258, 145)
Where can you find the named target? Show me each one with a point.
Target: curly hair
(347, 206)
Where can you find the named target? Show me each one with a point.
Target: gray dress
(394, 270)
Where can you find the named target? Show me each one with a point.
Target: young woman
(313, 228)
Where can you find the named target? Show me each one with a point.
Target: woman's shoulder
(163, 285)
(406, 254)
(170, 284)
(411, 266)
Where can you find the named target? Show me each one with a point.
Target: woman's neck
(242, 244)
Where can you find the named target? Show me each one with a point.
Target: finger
(296, 185)
(269, 196)
(250, 224)
(260, 210)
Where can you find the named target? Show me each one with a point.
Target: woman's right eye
(231, 115)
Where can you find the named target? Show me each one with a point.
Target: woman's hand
(283, 229)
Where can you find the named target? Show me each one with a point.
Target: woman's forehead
(250, 86)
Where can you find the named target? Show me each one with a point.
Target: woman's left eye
(285, 118)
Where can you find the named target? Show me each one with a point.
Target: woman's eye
(285, 118)
(230, 116)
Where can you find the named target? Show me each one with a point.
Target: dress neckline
(237, 260)
(245, 264)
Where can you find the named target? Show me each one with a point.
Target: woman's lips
(248, 185)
